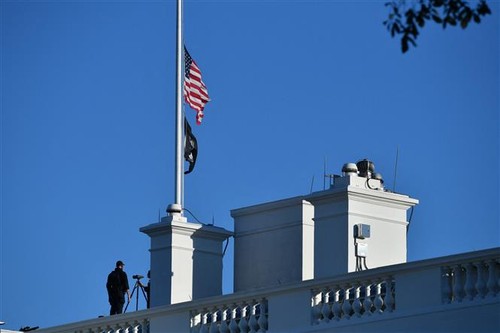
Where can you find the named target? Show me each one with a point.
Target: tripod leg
(144, 294)
(137, 296)
(132, 295)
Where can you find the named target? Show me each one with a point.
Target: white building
(331, 261)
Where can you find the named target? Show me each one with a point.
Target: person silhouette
(117, 286)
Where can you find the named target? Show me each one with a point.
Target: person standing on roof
(117, 286)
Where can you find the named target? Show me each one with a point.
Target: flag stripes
(195, 91)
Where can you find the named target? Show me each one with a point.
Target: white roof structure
(330, 261)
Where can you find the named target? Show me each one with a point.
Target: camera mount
(137, 285)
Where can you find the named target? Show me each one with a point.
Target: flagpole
(176, 207)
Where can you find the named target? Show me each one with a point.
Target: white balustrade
(125, 327)
(470, 281)
(360, 297)
(356, 300)
(244, 317)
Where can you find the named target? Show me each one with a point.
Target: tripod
(137, 285)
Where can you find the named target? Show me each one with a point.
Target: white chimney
(354, 225)
(186, 260)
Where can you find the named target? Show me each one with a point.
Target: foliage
(406, 18)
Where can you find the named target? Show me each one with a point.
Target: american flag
(195, 91)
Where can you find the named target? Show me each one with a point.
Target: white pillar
(186, 260)
(351, 202)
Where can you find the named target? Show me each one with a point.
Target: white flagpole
(176, 207)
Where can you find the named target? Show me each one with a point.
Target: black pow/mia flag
(190, 146)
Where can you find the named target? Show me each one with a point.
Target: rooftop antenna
(395, 169)
(324, 174)
(312, 183)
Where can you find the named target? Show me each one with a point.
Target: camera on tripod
(138, 285)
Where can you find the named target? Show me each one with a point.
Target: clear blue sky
(87, 111)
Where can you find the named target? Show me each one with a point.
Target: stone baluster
(357, 306)
(243, 324)
(480, 283)
(233, 325)
(446, 281)
(316, 307)
(263, 316)
(336, 306)
(389, 300)
(498, 275)
(346, 304)
(252, 321)
(378, 302)
(145, 326)
(492, 280)
(214, 325)
(204, 322)
(367, 302)
(224, 328)
(134, 328)
(457, 283)
(470, 275)
(195, 321)
(326, 310)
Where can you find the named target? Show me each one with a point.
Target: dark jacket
(117, 285)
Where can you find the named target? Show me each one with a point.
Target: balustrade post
(263, 316)
(357, 306)
(446, 282)
(214, 327)
(480, 284)
(389, 296)
(346, 304)
(378, 302)
(492, 281)
(316, 306)
(336, 307)
(135, 327)
(325, 309)
(204, 322)
(224, 328)
(252, 322)
(233, 325)
(195, 321)
(145, 326)
(243, 324)
(498, 279)
(367, 302)
(457, 283)
(470, 290)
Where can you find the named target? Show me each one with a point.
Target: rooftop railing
(468, 281)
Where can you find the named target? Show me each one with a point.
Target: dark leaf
(404, 45)
(451, 20)
(420, 21)
(465, 21)
(483, 8)
(438, 3)
(437, 19)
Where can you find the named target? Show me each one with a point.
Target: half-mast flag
(190, 147)
(195, 91)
